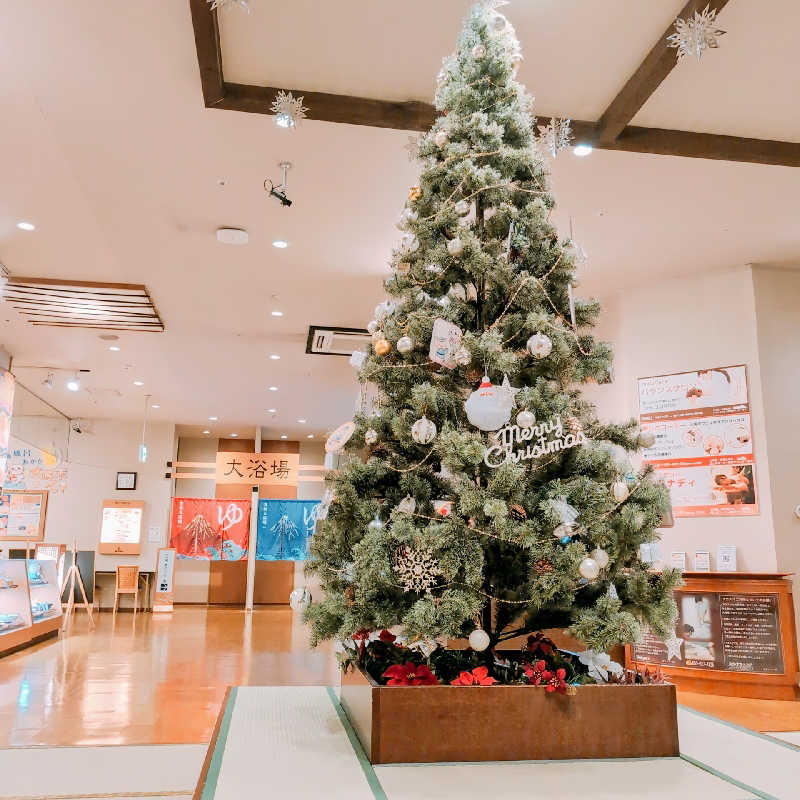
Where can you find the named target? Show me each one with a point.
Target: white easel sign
(165, 573)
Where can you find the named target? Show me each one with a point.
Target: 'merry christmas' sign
(504, 452)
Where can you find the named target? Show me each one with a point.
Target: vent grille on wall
(83, 304)
(333, 341)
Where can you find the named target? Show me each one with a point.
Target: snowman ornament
(489, 407)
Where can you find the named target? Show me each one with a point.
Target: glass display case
(15, 606)
(45, 602)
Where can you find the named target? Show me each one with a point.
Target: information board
(121, 527)
(165, 572)
(703, 448)
(22, 515)
(720, 631)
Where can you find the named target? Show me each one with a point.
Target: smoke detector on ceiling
(232, 236)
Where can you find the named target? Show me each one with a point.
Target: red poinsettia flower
(536, 673)
(555, 682)
(478, 677)
(387, 637)
(540, 643)
(361, 636)
(410, 674)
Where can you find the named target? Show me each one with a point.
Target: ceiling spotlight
(213, 419)
(582, 150)
(234, 435)
(275, 357)
(301, 421)
(272, 411)
(310, 436)
(273, 388)
(206, 432)
(277, 313)
(138, 383)
(114, 348)
(26, 226)
(155, 405)
(279, 192)
(280, 244)
(48, 381)
(284, 436)
(74, 383)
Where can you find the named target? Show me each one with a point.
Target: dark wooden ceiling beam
(650, 74)
(414, 115)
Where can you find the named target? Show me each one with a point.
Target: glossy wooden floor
(158, 681)
(161, 680)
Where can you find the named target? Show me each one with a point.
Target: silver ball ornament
(600, 556)
(619, 491)
(498, 22)
(299, 599)
(372, 326)
(539, 345)
(441, 138)
(455, 247)
(458, 291)
(479, 640)
(589, 568)
(462, 208)
(526, 419)
(371, 436)
(375, 524)
(479, 52)
(423, 431)
(404, 344)
(407, 505)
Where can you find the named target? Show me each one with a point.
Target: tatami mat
(65, 773)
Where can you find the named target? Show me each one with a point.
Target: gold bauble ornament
(414, 193)
(381, 347)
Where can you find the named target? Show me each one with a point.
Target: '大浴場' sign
(538, 440)
(258, 469)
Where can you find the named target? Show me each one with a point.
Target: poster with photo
(210, 529)
(703, 447)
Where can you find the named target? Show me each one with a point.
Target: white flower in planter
(600, 665)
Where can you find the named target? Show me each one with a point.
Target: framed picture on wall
(126, 481)
(22, 515)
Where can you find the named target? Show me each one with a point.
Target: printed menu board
(720, 631)
(703, 447)
(121, 527)
(22, 515)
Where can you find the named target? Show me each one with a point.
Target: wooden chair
(127, 583)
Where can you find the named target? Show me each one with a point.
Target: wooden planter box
(413, 724)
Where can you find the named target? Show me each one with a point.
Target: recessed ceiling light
(26, 226)
(114, 348)
(310, 436)
(280, 244)
(206, 431)
(582, 150)
(234, 435)
(74, 384)
(272, 410)
(273, 388)
(301, 421)
(275, 357)
(284, 436)
(277, 313)
(213, 419)
(138, 383)
(155, 405)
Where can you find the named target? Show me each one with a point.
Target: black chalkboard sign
(85, 561)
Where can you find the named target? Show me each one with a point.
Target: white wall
(696, 322)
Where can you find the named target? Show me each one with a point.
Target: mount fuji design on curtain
(284, 528)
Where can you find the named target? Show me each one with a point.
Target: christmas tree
(485, 495)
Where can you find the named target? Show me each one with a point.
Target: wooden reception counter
(735, 636)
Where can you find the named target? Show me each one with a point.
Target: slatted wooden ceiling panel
(83, 304)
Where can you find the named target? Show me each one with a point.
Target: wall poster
(23, 515)
(210, 529)
(720, 631)
(284, 528)
(29, 467)
(704, 440)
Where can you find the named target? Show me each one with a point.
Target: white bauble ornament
(299, 599)
(375, 523)
(409, 243)
(600, 556)
(457, 290)
(619, 491)
(463, 357)
(526, 419)
(498, 22)
(589, 569)
(423, 431)
(444, 301)
(404, 344)
(488, 407)
(455, 247)
(539, 345)
(479, 52)
(441, 138)
(384, 309)
(406, 216)
(479, 640)
(357, 359)
(371, 436)
(472, 292)
(647, 439)
(407, 505)
(436, 269)
(372, 326)
(462, 208)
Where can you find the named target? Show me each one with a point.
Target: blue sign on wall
(284, 528)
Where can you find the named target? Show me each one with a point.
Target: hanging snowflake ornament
(554, 137)
(289, 111)
(696, 34)
(214, 5)
(416, 568)
(412, 147)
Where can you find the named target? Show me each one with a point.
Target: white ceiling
(107, 148)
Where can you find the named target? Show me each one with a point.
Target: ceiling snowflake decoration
(288, 110)
(416, 568)
(696, 34)
(217, 4)
(554, 137)
(412, 147)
